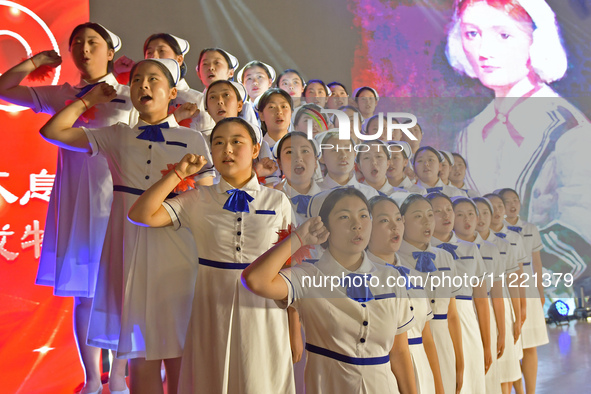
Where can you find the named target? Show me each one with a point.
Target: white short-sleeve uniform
(342, 333)
(439, 293)
(408, 185)
(450, 191)
(147, 275)
(533, 332)
(469, 264)
(495, 266)
(516, 242)
(421, 308)
(386, 188)
(509, 368)
(470, 192)
(81, 197)
(237, 342)
(329, 183)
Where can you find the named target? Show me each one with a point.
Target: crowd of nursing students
(189, 227)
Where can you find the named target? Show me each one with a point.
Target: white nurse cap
(254, 63)
(183, 44)
(449, 156)
(170, 64)
(114, 38)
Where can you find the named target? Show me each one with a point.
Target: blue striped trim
(347, 359)
(264, 212)
(512, 244)
(225, 266)
(175, 214)
(444, 269)
(137, 192)
(467, 258)
(310, 261)
(291, 284)
(503, 252)
(384, 296)
(442, 316)
(178, 143)
(415, 341)
(486, 258)
(467, 298)
(527, 263)
(407, 323)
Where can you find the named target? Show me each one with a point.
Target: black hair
(290, 135)
(266, 97)
(310, 82)
(493, 195)
(461, 157)
(375, 200)
(101, 31)
(484, 201)
(225, 82)
(333, 198)
(255, 63)
(430, 149)
(363, 88)
(221, 52)
(411, 199)
(434, 195)
(241, 122)
(506, 190)
(458, 200)
(335, 83)
(161, 66)
(287, 71)
(172, 43)
(385, 145)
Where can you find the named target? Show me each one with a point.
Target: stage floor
(565, 363)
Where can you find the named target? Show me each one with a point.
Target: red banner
(37, 349)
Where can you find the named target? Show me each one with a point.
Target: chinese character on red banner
(37, 238)
(39, 187)
(8, 196)
(3, 234)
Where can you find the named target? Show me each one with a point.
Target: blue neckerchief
(301, 201)
(86, 89)
(424, 261)
(238, 201)
(404, 271)
(153, 132)
(435, 189)
(449, 248)
(517, 229)
(358, 293)
(501, 235)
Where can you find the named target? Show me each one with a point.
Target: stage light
(15, 11)
(558, 311)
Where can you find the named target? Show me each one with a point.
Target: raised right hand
(47, 58)
(190, 164)
(313, 232)
(101, 93)
(122, 65)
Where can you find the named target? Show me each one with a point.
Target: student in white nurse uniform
(355, 332)
(81, 198)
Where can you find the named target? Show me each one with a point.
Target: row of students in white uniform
(143, 308)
